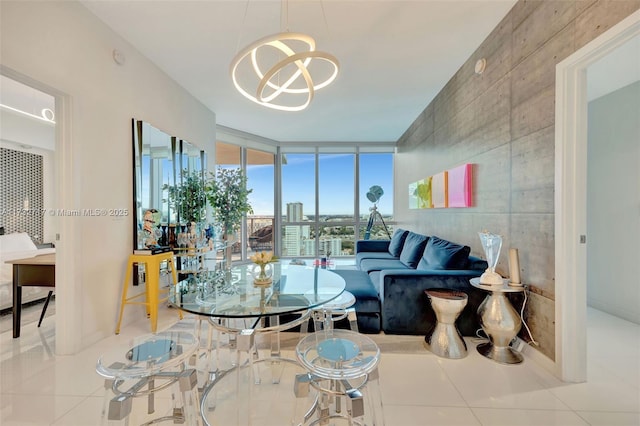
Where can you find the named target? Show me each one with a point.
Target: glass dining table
(236, 307)
(232, 294)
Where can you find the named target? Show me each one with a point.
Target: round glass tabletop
(234, 295)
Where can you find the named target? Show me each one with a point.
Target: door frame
(571, 198)
(68, 318)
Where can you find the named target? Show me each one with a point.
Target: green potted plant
(188, 198)
(228, 196)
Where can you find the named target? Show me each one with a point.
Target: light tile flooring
(418, 388)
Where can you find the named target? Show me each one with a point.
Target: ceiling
(24, 124)
(395, 56)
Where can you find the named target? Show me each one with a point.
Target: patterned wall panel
(21, 193)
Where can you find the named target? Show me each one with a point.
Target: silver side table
(445, 340)
(500, 321)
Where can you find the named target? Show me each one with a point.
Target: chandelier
(283, 71)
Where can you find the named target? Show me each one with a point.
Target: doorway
(571, 196)
(68, 321)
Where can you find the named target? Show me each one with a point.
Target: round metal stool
(342, 369)
(445, 340)
(144, 367)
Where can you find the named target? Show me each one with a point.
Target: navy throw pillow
(413, 248)
(397, 241)
(443, 254)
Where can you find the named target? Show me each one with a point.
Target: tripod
(375, 214)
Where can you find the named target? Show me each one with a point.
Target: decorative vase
(262, 273)
(491, 244)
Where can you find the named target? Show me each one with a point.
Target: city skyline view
(335, 184)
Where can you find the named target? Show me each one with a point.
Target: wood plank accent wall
(503, 122)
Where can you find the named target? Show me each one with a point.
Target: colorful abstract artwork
(413, 195)
(424, 193)
(439, 190)
(451, 188)
(459, 186)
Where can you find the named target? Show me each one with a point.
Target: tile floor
(418, 388)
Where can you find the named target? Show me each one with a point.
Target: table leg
(153, 287)
(17, 302)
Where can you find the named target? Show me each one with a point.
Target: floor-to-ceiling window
(229, 156)
(298, 186)
(257, 234)
(376, 171)
(311, 200)
(260, 168)
(323, 193)
(336, 207)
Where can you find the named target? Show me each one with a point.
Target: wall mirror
(160, 162)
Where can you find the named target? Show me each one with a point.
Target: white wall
(613, 203)
(62, 45)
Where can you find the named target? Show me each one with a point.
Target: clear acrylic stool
(146, 366)
(342, 370)
(339, 308)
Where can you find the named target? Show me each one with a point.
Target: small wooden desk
(37, 271)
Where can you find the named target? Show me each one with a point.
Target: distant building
(294, 212)
(309, 247)
(295, 239)
(332, 245)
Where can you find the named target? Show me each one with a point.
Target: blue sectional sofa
(400, 270)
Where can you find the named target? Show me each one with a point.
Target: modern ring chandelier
(279, 71)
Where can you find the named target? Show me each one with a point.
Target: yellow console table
(152, 283)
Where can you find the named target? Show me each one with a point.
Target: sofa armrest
(372, 245)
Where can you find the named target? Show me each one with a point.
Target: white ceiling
(22, 124)
(395, 57)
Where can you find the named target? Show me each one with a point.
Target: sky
(336, 187)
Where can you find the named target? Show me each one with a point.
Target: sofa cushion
(368, 265)
(477, 263)
(443, 254)
(413, 248)
(372, 255)
(397, 242)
